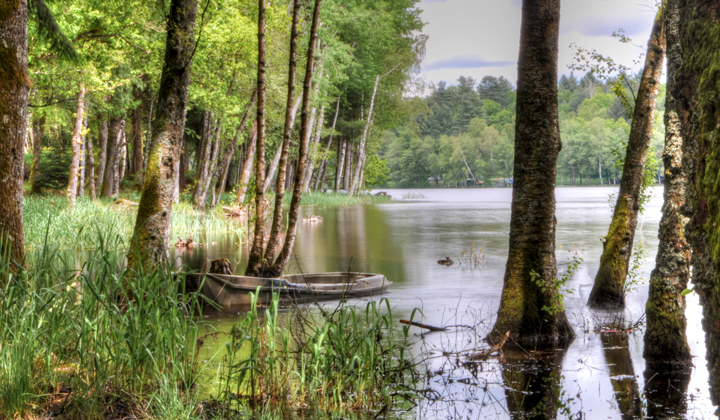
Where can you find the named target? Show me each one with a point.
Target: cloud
(465, 62)
(605, 25)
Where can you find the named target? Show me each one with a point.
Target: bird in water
(447, 261)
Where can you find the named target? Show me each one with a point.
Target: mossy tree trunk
(609, 287)
(697, 89)
(14, 89)
(38, 133)
(77, 148)
(666, 345)
(532, 223)
(152, 226)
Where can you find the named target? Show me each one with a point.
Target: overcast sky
(481, 37)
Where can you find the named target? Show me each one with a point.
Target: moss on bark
(608, 289)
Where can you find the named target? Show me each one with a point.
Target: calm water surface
(601, 374)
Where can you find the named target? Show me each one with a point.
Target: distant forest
(461, 134)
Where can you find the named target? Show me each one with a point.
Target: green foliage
(557, 287)
(634, 276)
(54, 168)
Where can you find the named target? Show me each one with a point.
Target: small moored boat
(231, 290)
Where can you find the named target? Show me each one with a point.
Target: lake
(599, 374)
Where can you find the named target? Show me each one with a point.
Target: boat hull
(231, 290)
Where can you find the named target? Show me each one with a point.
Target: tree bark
(137, 141)
(108, 182)
(313, 156)
(83, 159)
(204, 183)
(102, 156)
(261, 263)
(294, 211)
(119, 171)
(14, 89)
(609, 286)
(77, 148)
(340, 163)
(38, 133)
(152, 226)
(532, 223)
(256, 250)
(666, 345)
(278, 153)
(348, 164)
(323, 164)
(698, 93)
(90, 168)
(202, 158)
(247, 167)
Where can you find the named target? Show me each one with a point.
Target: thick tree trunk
(698, 94)
(256, 251)
(532, 224)
(294, 211)
(323, 165)
(90, 168)
(38, 133)
(609, 287)
(340, 163)
(262, 262)
(137, 143)
(666, 345)
(102, 156)
(108, 182)
(247, 167)
(152, 227)
(14, 88)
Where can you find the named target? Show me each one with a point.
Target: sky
(481, 37)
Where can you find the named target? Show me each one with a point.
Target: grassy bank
(108, 342)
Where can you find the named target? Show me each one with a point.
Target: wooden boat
(231, 290)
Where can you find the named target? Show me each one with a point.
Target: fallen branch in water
(482, 355)
(417, 324)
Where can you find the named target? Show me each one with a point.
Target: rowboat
(230, 290)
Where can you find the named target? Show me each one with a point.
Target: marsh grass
(49, 219)
(321, 200)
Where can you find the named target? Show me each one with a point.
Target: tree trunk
(609, 287)
(38, 133)
(278, 153)
(14, 88)
(698, 94)
(205, 183)
(294, 211)
(108, 182)
(77, 148)
(120, 159)
(665, 342)
(600, 168)
(532, 223)
(83, 159)
(102, 156)
(313, 156)
(90, 168)
(247, 167)
(182, 184)
(261, 262)
(323, 165)
(340, 163)
(256, 251)
(148, 132)
(137, 143)
(348, 164)
(152, 226)
(202, 156)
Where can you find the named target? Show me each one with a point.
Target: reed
(341, 200)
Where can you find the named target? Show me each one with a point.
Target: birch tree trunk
(348, 164)
(152, 227)
(323, 164)
(532, 222)
(609, 288)
(102, 156)
(210, 168)
(313, 151)
(77, 148)
(119, 160)
(247, 167)
(83, 159)
(14, 89)
(203, 156)
(278, 153)
(666, 345)
(38, 133)
(340, 163)
(294, 211)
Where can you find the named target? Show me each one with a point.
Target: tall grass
(80, 227)
(320, 199)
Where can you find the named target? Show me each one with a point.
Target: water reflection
(665, 393)
(405, 239)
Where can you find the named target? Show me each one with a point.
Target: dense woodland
(187, 105)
